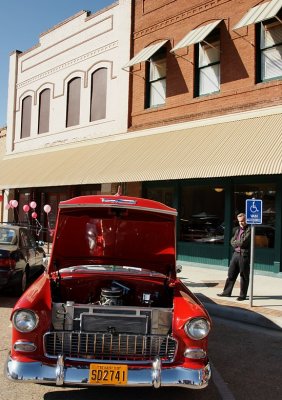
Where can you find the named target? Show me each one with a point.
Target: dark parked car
(110, 309)
(20, 257)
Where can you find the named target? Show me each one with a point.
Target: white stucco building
(70, 87)
(67, 96)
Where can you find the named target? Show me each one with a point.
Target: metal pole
(252, 264)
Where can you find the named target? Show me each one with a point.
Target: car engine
(110, 329)
(111, 314)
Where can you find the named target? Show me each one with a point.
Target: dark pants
(239, 264)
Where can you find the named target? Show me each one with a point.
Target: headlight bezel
(191, 325)
(28, 317)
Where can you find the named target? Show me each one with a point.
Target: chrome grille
(106, 346)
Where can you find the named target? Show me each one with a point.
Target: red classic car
(110, 309)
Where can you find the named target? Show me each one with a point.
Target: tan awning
(244, 147)
(196, 35)
(260, 13)
(145, 54)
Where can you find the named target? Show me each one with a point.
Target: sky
(21, 23)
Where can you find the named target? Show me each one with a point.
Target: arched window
(98, 94)
(73, 102)
(26, 117)
(44, 111)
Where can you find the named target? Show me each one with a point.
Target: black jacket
(245, 240)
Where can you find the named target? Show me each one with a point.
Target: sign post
(253, 217)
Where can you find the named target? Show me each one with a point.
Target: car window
(31, 239)
(7, 236)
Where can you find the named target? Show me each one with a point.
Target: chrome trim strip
(37, 372)
(118, 200)
(22, 342)
(60, 371)
(126, 206)
(156, 372)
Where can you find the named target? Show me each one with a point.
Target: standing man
(240, 261)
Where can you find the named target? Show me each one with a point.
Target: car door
(27, 248)
(38, 251)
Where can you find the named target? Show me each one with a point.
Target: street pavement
(265, 308)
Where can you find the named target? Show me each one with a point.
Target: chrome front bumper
(36, 372)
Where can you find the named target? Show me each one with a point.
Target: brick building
(206, 97)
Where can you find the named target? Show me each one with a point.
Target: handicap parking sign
(253, 212)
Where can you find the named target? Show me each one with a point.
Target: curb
(241, 315)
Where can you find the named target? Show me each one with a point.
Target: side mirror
(178, 269)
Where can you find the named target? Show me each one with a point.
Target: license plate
(108, 374)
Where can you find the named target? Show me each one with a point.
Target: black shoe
(241, 298)
(223, 295)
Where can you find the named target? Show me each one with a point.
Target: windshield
(7, 236)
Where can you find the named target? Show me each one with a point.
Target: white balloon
(33, 204)
(47, 208)
(14, 203)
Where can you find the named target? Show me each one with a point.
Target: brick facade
(173, 19)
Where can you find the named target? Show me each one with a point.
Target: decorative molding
(197, 117)
(150, 6)
(190, 12)
(44, 50)
(96, 66)
(69, 63)
(47, 85)
(23, 95)
(64, 22)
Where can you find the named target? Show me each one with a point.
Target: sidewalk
(206, 281)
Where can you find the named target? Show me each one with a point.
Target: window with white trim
(44, 111)
(156, 80)
(270, 50)
(26, 117)
(98, 94)
(73, 102)
(208, 65)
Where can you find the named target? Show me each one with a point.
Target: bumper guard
(36, 372)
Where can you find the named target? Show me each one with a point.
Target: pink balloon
(26, 208)
(33, 204)
(34, 215)
(47, 208)
(14, 203)
(7, 206)
(10, 202)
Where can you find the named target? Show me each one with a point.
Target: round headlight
(197, 328)
(25, 320)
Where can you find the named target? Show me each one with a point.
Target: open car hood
(117, 230)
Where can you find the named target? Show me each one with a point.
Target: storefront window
(88, 190)
(264, 233)
(202, 214)
(24, 198)
(161, 194)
